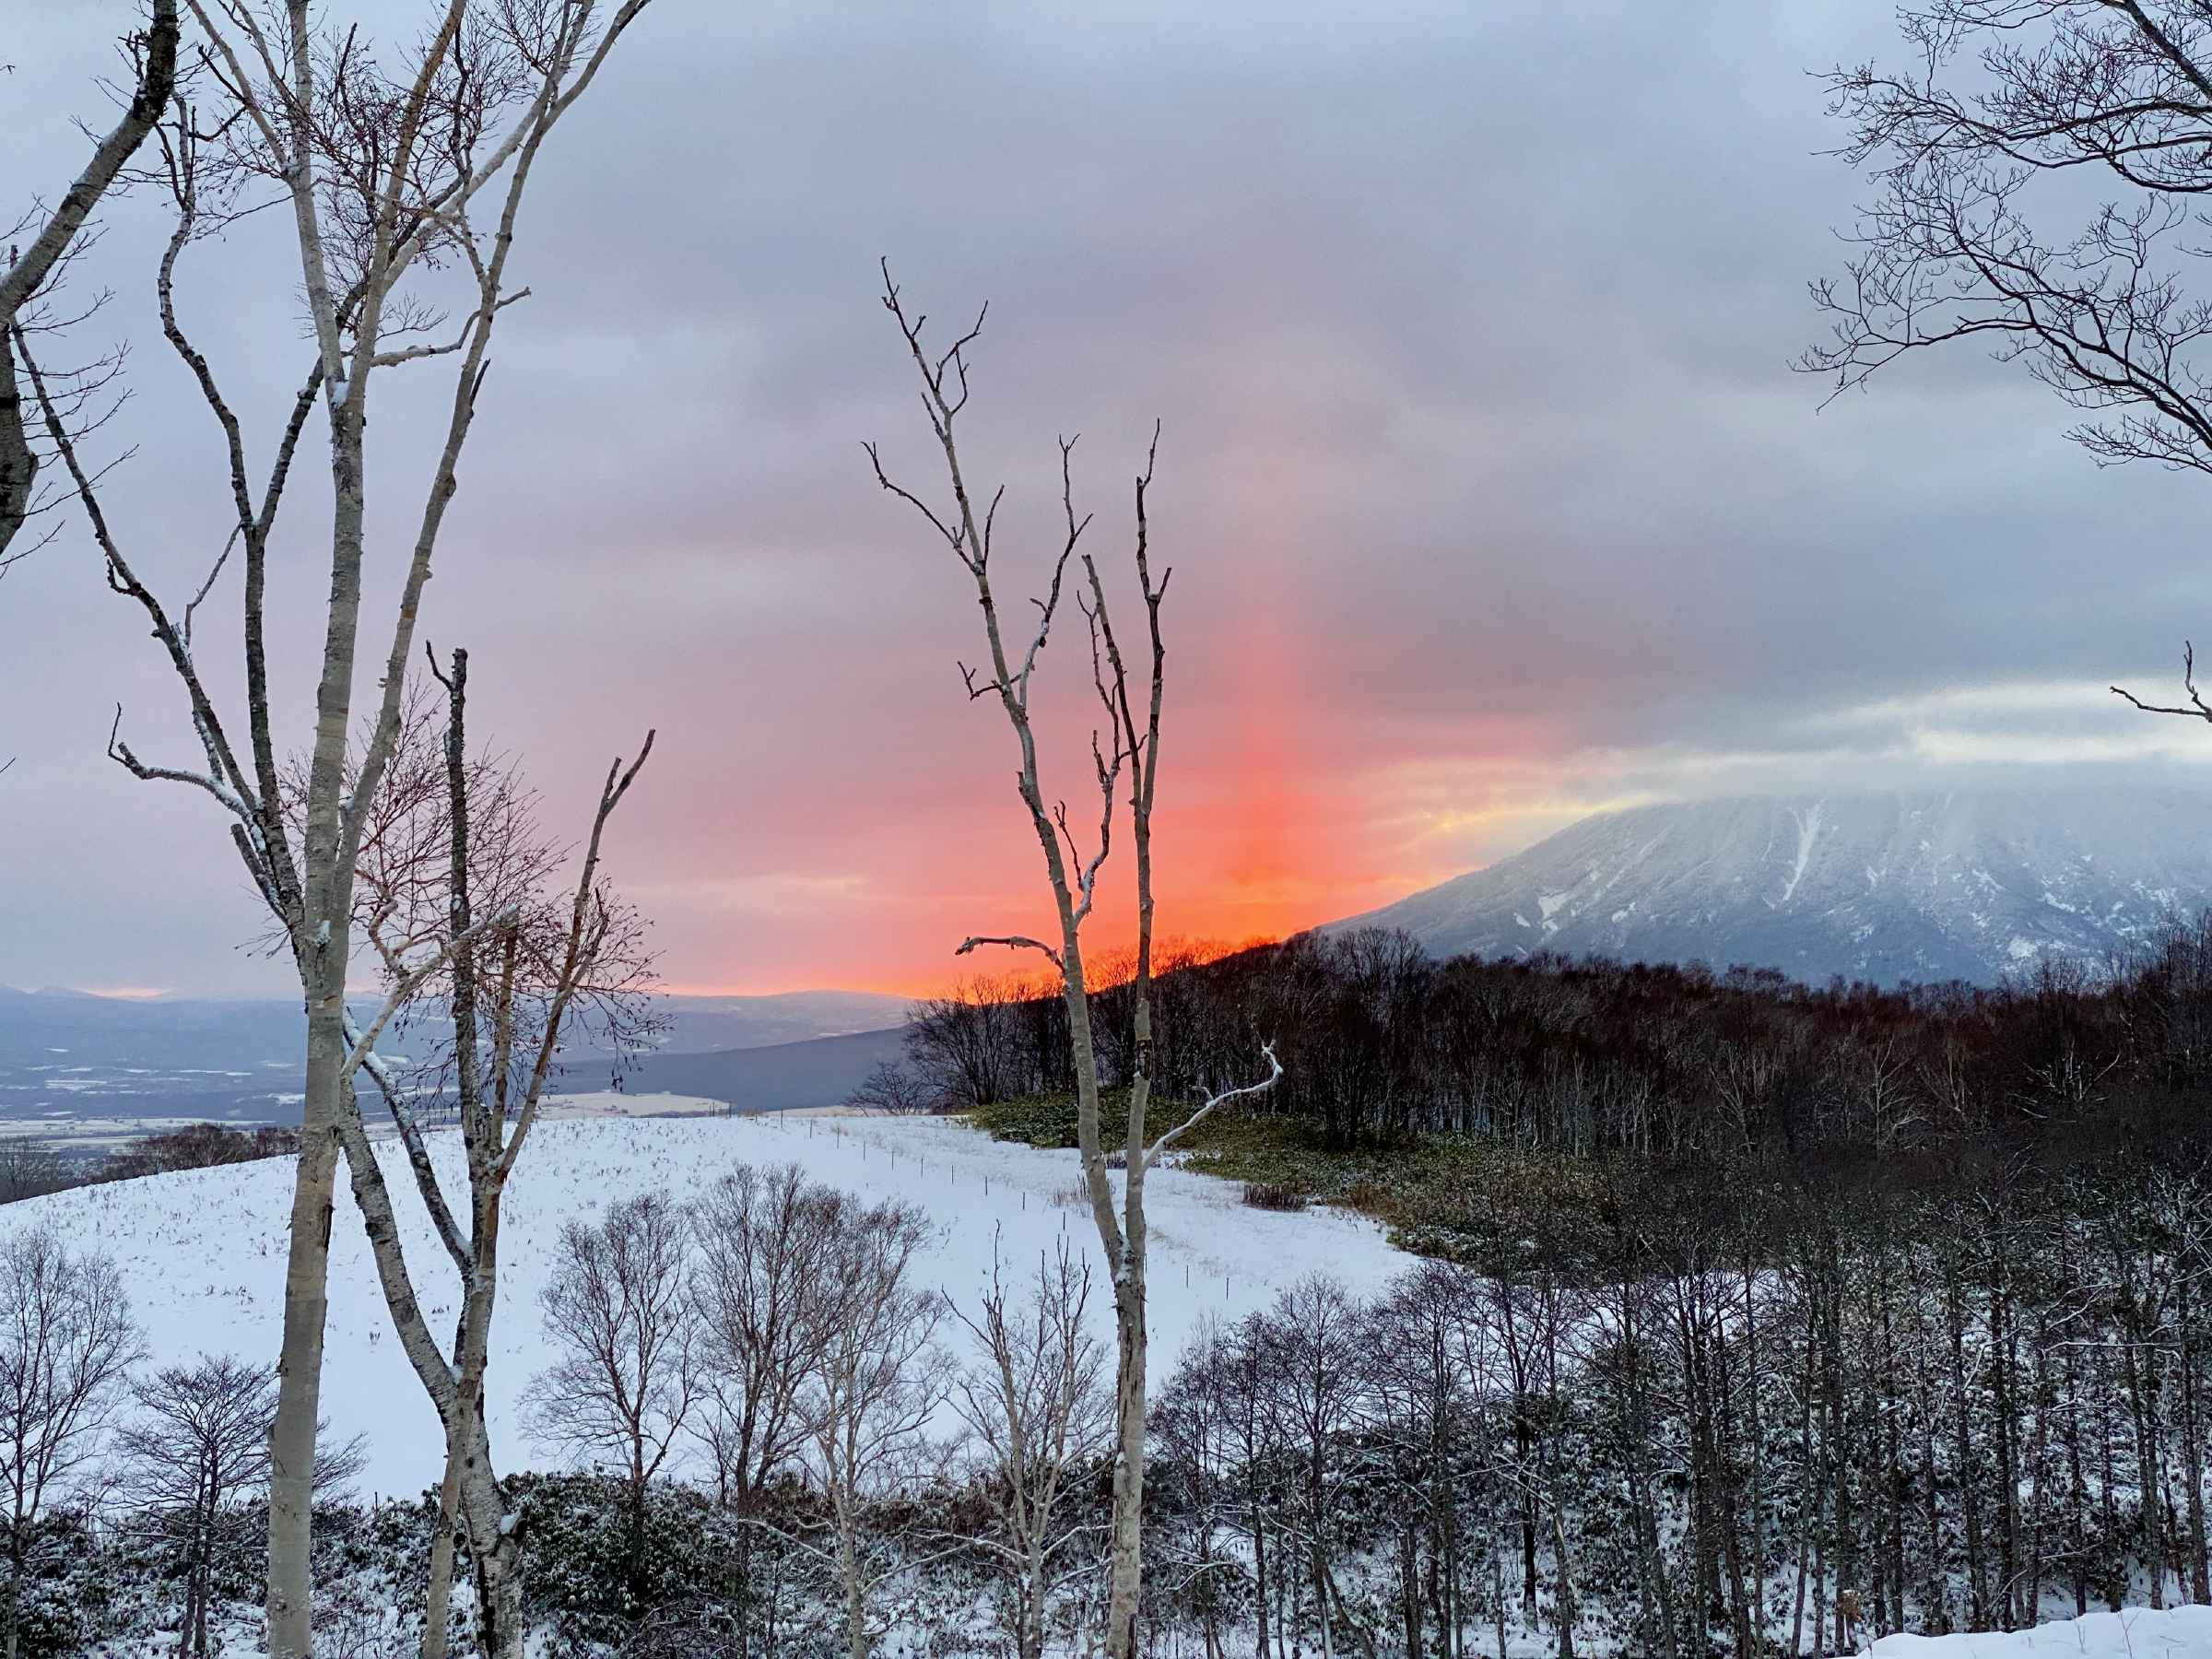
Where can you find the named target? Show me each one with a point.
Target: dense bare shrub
(30, 1168)
(625, 1383)
(198, 1146)
(66, 1344)
(1273, 1195)
(900, 1091)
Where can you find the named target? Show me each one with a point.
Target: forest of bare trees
(1679, 1066)
(1723, 1408)
(1885, 1310)
(1946, 1411)
(1959, 1414)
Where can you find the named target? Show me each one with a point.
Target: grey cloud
(1469, 326)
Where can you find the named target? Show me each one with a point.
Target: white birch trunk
(1134, 722)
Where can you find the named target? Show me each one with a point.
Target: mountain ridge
(1928, 886)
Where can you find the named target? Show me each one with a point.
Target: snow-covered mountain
(1968, 885)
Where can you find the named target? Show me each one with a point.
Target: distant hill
(821, 1072)
(184, 1032)
(705, 1023)
(1971, 884)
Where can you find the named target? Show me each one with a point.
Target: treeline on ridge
(1680, 1066)
(30, 1166)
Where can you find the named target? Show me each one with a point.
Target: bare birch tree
(198, 1443)
(762, 1295)
(1038, 1405)
(1132, 712)
(458, 892)
(876, 1384)
(1315, 1351)
(388, 173)
(30, 270)
(625, 1383)
(195, 1455)
(66, 1346)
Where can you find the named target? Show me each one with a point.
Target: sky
(1491, 498)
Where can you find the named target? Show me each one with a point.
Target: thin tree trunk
(2003, 1355)
(1568, 1611)
(193, 1637)
(11, 1628)
(1812, 1481)
(1731, 1505)
(438, 1601)
(306, 1303)
(2039, 1473)
(1969, 1490)
(1845, 1554)
(2115, 1575)
(1409, 1586)
(1649, 1568)
(2136, 1366)
(1893, 1450)
(1755, 1503)
(1498, 1588)
(856, 1596)
(1935, 1611)
(2192, 1450)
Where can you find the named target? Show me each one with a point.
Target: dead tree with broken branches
(1129, 749)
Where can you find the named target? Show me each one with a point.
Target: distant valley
(87, 1071)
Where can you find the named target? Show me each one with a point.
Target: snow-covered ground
(2138, 1633)
(202, 1251)
(609, 1103)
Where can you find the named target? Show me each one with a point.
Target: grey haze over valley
(88, 1072)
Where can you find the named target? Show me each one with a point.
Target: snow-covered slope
(202, 1252)
(2138, 1633)
(1960, 884)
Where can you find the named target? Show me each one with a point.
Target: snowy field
(202, 1251)
(609, 1104)
(2138, 1633)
